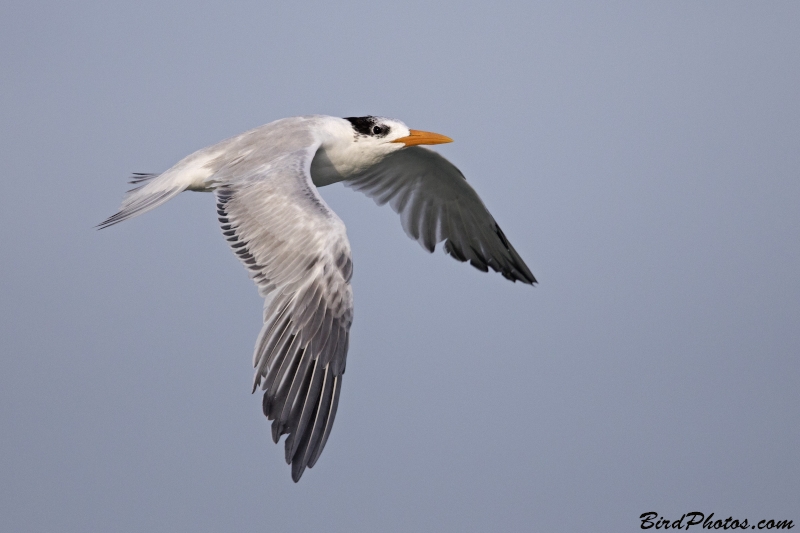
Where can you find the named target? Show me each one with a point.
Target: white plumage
(296, 249)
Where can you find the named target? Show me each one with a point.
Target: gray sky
(643, 158)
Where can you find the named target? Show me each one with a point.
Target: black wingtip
(519, 270)
(297, 471)
(528, 277)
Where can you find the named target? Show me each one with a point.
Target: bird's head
(389, 135)
(354, 144)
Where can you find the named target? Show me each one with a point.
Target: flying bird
(296, 249)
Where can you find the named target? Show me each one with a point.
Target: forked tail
(149, 194)
(152, 190)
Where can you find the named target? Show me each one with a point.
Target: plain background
(642, 157)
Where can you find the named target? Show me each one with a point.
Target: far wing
(436, 204)
(298, 254)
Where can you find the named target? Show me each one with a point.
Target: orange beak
(416, 137)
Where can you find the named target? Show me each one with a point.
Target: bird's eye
(377, 130)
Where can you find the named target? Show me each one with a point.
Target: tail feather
(153, 190)
(140, 177)
(140, 200)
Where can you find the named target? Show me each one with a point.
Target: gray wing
(297, 252)
(436, 204)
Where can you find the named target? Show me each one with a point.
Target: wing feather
(329, 417)
(298, 255)
(436, 204)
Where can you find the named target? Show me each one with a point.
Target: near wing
(436, 204)
(298, 254)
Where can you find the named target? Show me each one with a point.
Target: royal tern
(296, 248)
